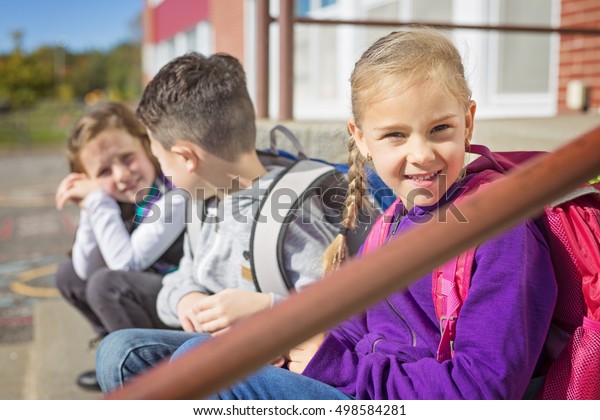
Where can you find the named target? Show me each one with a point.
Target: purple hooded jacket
(389, 352)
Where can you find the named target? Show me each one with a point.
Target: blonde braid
(337, 251)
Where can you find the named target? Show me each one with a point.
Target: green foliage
(56, 73)
(65, 93)
(124, 83)
(595, 180)
(24, 79)
(86, 72)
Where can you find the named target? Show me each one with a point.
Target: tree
(123, 71)
(56, 72)
(24, 79)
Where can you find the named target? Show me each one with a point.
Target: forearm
(84, 247)
(176, 285)
(110, 232)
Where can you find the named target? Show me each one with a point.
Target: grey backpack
(310, 179)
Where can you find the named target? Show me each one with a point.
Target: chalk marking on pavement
(21, 320)
(26, 276)
(6, 231)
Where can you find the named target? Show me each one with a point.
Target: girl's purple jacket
(389, 352)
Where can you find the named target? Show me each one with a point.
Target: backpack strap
(498, 161)
(579, 192)
(380, 230)
(266, 241)
(449, 288)
(301, 154)
(268, 229)
(451, 281)
(573, 227)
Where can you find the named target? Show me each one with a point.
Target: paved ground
(34, 236)
(37, 330)
(43, 362)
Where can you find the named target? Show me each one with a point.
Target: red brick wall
(579, 54)
(228, 24)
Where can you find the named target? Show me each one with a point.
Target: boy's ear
(188, 153)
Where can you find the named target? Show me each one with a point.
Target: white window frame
(477, 48)
(531, 104)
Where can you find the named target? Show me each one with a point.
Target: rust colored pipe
(286, 60)
(223, 360)
(263, 23)
(501, 28)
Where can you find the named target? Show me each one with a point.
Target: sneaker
(87, 380)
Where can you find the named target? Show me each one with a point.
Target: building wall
(580, 54)
(229, 26)
(175, 16)
(228, 22)
(147, 41)
(172, 28)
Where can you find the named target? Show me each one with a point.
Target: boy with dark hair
(201, 123)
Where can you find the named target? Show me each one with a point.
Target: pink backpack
(573, 231)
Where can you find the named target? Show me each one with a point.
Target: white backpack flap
(270, 222)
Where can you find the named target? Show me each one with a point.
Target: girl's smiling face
(119, 163)
(417, 141)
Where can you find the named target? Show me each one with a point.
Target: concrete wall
(328, 140)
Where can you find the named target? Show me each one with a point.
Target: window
(389, 11)
(432, 10)
(191, 39)
(302, 7)
(524, 59)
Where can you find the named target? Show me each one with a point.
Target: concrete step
(59, 353)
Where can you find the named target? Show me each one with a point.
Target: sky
(76, 24)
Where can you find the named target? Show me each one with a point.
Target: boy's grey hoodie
(219, 258)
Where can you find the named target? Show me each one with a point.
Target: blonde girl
(413, 118)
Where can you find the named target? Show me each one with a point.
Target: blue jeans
(125, 353)
(272, 383)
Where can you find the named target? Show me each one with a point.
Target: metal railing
(219, 362)
(287, 20)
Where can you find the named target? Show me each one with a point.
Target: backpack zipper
(397, 312)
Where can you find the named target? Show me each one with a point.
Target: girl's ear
(470, 122)
(188, 153)
(358, 137)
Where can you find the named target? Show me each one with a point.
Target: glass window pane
(328, 62)
(432, 10)
(524, 59)
(302, 7)
(191, 39)
(389, 11)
